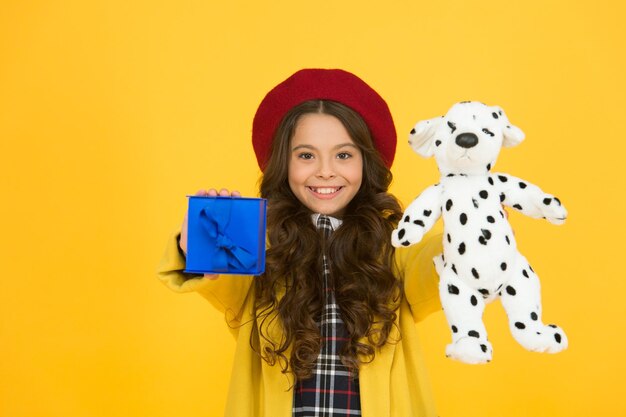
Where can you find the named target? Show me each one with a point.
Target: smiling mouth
(326, 191)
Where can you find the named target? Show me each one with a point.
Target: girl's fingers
(212, 192)
(212, 277)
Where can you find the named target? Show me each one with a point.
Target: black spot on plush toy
(480, 259)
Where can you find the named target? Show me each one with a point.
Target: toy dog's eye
(489, 132)
(452, 126)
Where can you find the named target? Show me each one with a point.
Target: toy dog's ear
(512, 135)
(421, 137)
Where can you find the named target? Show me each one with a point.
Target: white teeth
(324, 190)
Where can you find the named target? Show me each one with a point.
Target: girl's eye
(344, 155)
(305, 155)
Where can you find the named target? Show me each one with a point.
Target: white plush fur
(480, 260)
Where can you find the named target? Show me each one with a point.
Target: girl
(328, 329)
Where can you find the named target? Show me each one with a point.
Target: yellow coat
(394, 384)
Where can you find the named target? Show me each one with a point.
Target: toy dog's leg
(521, 299)
(418, 218)
(463, 307)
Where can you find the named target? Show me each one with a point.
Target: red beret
(324, 84)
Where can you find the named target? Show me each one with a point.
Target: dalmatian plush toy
(480, 261)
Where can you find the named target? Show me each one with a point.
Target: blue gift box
(226, 235)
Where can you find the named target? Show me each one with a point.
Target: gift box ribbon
(214, 218)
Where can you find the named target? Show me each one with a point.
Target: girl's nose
(325, 170)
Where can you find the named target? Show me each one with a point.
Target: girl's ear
(421, 137)
(512, 135)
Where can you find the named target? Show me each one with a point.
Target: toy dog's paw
(470, 350)
(541, 338)
(553, 210)
(406, 235)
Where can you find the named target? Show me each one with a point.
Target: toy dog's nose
(466, 140)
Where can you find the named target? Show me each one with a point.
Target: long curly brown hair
(360, 256)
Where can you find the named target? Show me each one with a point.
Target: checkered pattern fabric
(332, 390)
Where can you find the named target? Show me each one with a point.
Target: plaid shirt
(332, 390)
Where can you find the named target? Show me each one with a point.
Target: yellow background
(112, 111)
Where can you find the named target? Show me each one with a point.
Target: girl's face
(325, 166)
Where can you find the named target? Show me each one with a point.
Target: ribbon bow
(214, 218)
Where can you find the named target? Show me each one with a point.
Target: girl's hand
(506, 214)
(212, 192)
